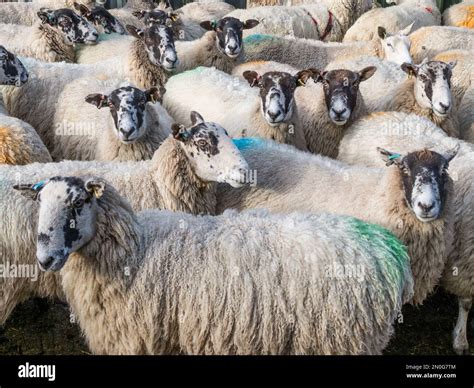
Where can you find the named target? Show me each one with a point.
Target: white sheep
(404, 133)
(420, 12)
(237, 106)
(326, 21)
(290, 180)
(466, 116)
(273, 293)
(180, 177)
(429, 41)
(52, 39)
(19, 142)
(460, 15)
(305, 53)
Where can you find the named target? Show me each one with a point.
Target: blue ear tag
(39, 186)
(394, 156)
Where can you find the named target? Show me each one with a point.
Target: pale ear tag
(98, 193)
(300, 82)
(174, 17)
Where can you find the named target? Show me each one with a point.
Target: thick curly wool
(466, 116)
(109, 46)
(165, 182)
(305, 53)
(371, 194)
(38, 41)
(420, 12)
(404, 133)
(460, 15)
(429, 41)
(204, 52)
(229, 101)
(404, 101)
(281, 303)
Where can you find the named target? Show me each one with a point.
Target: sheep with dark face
(155, 282)
(102, 18)
(53, 39)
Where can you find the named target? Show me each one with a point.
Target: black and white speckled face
(153, 17)
(12, 71)
(340, 91)
(127, 106)
(211, 152)
(229, 34)
(73, 27)
(159, 45)
(396, 47)
(99, 16)
(67, 216)
(424, 176)
(432, 85)
(277, 92)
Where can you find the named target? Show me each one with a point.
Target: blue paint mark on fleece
(257, 38)
(246, 143)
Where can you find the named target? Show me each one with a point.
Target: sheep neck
(348, 11)
(144, 73)
(63, 52)
(427, 242)
(180, 188)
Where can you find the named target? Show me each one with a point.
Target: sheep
(133, 130)
(325, 21)
(290, 180)
(304, 53)
(427, 93)
(409, 132)
(460, 15)
(102, 18)
(466, 116)
(146, 66)
(221, 46)
(463, 74)
(53, 39)
(429, 41)
(236, 105)
(420, 12)
(181, 177)
(280, 298)
(19, 142)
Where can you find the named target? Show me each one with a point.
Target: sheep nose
(45, 264)
(426, 208)
(232, 47)
(273, 115)
(339, 112)
(445, 107)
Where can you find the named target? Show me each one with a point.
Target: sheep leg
(460, 344)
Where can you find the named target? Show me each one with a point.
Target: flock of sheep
(279, 179)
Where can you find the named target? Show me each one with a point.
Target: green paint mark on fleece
(257, 38)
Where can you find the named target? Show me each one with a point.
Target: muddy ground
(39, 327)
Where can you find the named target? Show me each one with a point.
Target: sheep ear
(450, 154)
(410, 69)
(95, 187)
(154, 95)
(97, 99)
(366, 73)
(250, 23)
(382, 32)
(209, 25)
(139, 14)
(390, 157)
(302, 76)
(452, 64)
(30, 191)
(252, 77)
(180, 132)
(47, 17)
(196, 118)
(83, 10)
(134, 31)
(407, 30)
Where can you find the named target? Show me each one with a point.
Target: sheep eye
(202, 143)
(390, 45)
(78, 203)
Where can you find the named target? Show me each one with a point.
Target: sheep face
(12, 71)
(128, 109)
(67, 215)
(74, 28)
(156, 16)
(396, 48)
(210, 151)
(432, 85)
(424, 176)
(159, 45)
(101, 17)
(229, 34)
(277, 92)
(341, 88)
